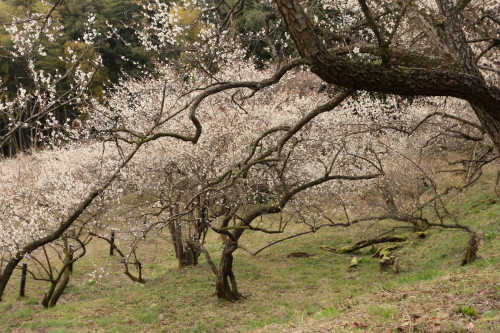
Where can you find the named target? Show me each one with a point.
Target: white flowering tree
(424, 48)
(428, 48)
(282, 150)
(31, 110)
(262, 142)
(257, 154)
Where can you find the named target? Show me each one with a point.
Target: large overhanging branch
(400, 54)
(385, 79)
(209, 91)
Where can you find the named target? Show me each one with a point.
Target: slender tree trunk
(137, 278)
(59, 283)
(48, 295)
(176, 233)
(56, 290)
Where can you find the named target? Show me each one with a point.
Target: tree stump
(470, 254)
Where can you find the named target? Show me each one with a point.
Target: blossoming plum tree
(276, 151)
(265, 140)
(256, 155)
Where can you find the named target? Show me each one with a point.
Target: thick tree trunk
(490, 124)
(186, 251)
(464, 56)
(7, 273)
(226, 286)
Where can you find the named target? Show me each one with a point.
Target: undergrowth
(281, 293)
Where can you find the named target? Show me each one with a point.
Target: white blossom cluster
(26, 34)
(39, 191)
(35, 108)
(364, 135)
(212, 82)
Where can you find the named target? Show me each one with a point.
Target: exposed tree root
(369, 242)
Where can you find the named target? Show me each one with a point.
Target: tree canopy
(226, 112)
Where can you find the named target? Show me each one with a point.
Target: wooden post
(112, 243)
(70, 257)
(23, 280)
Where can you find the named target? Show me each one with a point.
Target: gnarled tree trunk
(186, 250)
(226, 286)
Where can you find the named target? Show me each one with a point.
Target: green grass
(5, 306)
(59, 323)
(468, 311)
(383, 311)
(280, 291)
(329, 312)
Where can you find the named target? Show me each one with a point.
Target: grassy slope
(284, 294)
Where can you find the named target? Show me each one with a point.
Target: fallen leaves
(358, 325)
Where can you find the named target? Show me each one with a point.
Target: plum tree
(265, 140)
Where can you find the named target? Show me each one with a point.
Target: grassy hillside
(283, 293)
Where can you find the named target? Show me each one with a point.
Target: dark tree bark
(470, 254)
(467, 83)
(225, 285)
(7, 273)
